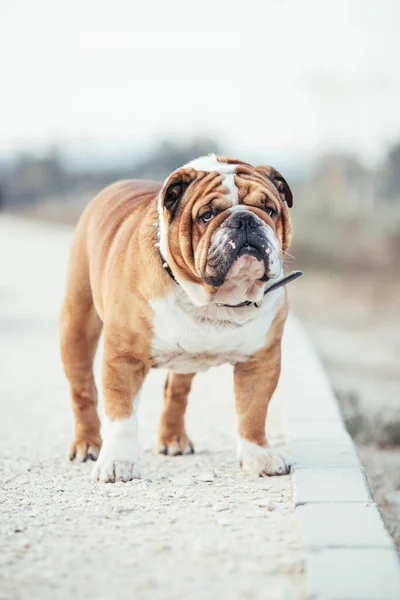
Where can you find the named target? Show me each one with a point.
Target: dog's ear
(279, 182)
(173, 193)
(174, 188)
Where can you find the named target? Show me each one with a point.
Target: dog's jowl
(176, 275)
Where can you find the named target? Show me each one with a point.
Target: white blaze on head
(233, 192)
(210, 163)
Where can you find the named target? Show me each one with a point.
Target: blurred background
(93, 91)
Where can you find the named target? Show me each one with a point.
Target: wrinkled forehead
(233, 178)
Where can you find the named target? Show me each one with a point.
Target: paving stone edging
(350, 554)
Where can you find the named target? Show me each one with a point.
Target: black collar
(293, 275)
(168, 269)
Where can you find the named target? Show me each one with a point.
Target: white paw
(262, 461)
(111, 471)
(119, 454)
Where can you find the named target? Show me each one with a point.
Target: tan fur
(172, 436)
(115, 269)
(255, 382)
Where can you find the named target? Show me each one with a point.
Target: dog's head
(224, 228)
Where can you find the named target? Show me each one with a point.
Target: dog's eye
(207, 216)
(270, 211)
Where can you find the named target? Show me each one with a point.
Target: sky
(288, 77)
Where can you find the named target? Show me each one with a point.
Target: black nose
(242, 219)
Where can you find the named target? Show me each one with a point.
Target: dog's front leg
(123, 376)
(255, 382)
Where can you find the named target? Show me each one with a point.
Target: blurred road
(193, 527)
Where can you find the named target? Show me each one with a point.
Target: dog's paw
(119, 455)
(175, 445)
(111, 471)
(262, 460)
(83, 450)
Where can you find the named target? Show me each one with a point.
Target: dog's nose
(245, 219)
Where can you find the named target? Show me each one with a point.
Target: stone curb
(350, 555)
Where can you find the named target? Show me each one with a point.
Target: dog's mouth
(256, 252)
(235, 251)
(249, 258)
(247, 264)
(250, 250)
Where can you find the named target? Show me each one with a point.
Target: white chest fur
(187, 339)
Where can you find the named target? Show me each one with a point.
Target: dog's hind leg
(173, 439)
(80, 329)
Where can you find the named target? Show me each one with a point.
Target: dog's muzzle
(241, 233)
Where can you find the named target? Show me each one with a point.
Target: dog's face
(224, 228)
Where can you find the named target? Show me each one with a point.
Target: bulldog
(177, 276)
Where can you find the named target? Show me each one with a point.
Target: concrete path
(194, 527)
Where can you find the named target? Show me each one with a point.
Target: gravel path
(194, 527)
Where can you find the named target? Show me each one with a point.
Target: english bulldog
(181, 275)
